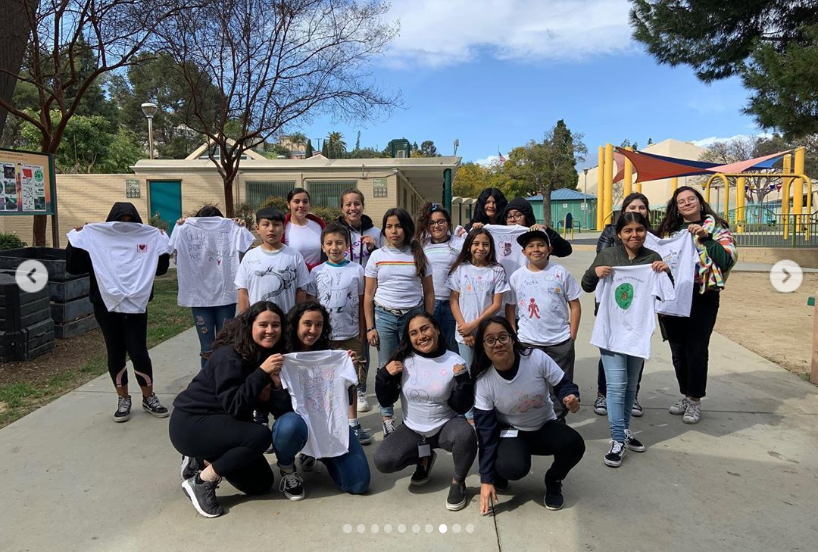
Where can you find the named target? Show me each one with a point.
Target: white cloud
(490, 160)
(707, 142)
(440, 33)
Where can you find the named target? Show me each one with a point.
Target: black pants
(400, 449)
(602, 384)
(234, 448)
(689, 340)
(553, 439)
(126, 334)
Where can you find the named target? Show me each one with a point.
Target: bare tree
(743, 148)
(255, 66)
(65, 35)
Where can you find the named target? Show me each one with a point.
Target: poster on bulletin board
(28, 185)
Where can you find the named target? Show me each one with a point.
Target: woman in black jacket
(212, 423)
(633, 203)
(124, 333)
(434, 387)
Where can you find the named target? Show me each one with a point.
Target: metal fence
(775, 230)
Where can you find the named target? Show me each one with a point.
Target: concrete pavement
(744, 479)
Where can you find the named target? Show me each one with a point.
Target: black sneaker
(636, 409)
(308, 463)
(457, 497)
(292, 486)
(500, 483)
(152, 406)
(421, 475)
(189, 467)
(633, 443)
(553, 496)
(262, 418)
(203, 496)
(614, 456)
(123, 409)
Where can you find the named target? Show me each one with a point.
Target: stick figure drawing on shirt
(533, 309)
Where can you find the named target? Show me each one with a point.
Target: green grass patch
(165, 320)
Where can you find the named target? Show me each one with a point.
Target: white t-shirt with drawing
(679, 252)
(426, 386)
(509, 253)
(339, 289)
(124, 256)
(441, 257)
(523, 402)
(626, 317)
(477, 286)
(207, 259)
(318, 382)
(273, 276)
(541, 299)
(398, 284)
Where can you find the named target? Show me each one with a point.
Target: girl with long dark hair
(689, 338)
(488, 209)
(514, 416)
(212, 422)
(434, 387)
(399, 284)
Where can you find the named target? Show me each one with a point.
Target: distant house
(563, 201)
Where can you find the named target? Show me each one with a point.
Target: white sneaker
(693, 413)
(678, 408)
(363, 404)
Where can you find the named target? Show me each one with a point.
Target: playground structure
(795, 221)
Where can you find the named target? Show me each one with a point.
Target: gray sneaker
(678, 408)
(152, 406)
(693, 412)
(123, 409)
(600, 406)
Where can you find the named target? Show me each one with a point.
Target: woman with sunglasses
(514, 415)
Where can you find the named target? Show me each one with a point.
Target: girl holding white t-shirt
(308, 329)
(434, 386)
(302, 229)
(621, 370)
(476, 283)
(514, 416)
(398, 285)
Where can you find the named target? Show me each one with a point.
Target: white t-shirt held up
(523, 402)
(207, 260)
(124, 256)
(542, 300)
(679, 252)
(626, 317)
(318, 382)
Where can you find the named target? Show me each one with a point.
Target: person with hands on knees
(622, 370)
(212, 422)
(434, 387)
(514, 416)
(399, 284)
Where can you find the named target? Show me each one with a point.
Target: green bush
(276, 201)
(10, 241)
(327, 213)
(157, 222)
(246, 213)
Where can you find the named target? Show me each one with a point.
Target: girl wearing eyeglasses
(434, 232)
(689, 338)
(514, 416)
(519, 211)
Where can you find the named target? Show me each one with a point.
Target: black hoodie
(561, 247)
(78, 261)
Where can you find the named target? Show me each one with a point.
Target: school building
(176, 187)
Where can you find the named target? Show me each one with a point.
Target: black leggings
(602, 383)
(689, 340)
(234, 448)
(400, 449)
(563, 442)
(126, 333)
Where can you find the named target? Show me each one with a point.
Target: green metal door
(165, 199)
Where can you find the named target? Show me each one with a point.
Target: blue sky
(496, 73)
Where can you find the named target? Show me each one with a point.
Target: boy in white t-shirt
(272, 272)
(545, 310)
(338, 285)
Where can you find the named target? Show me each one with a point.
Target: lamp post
(585, 196)
(149, 110)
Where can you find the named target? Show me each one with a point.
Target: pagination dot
(401, 528)
(443, 528)
(416, 528)
(429, 528)
(456, 528)
(374, 528)
(470, 528)
(347, 528)
(387, 528)
(361, 528)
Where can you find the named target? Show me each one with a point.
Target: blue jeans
(349, 471)
(209, 321)
(390, 330)
(448, 326)
(468, 354)
(622, 373)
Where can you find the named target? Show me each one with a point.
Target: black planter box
(52, 258)
(74, 328)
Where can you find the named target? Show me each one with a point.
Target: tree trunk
(38, 229)
(546, 205)
(15, 30)
(230, 211)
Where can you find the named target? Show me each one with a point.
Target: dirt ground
(67, 354)
(777, 326)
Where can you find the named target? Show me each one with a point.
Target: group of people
(474, 330)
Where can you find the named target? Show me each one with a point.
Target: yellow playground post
(786, 185)
(741, 215)
(608, 181)
(798, 188)
(600, 196)
(627, 177)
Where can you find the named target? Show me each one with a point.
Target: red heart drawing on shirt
(142, 248)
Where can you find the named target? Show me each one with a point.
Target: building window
(259, 191)
(327, 193)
